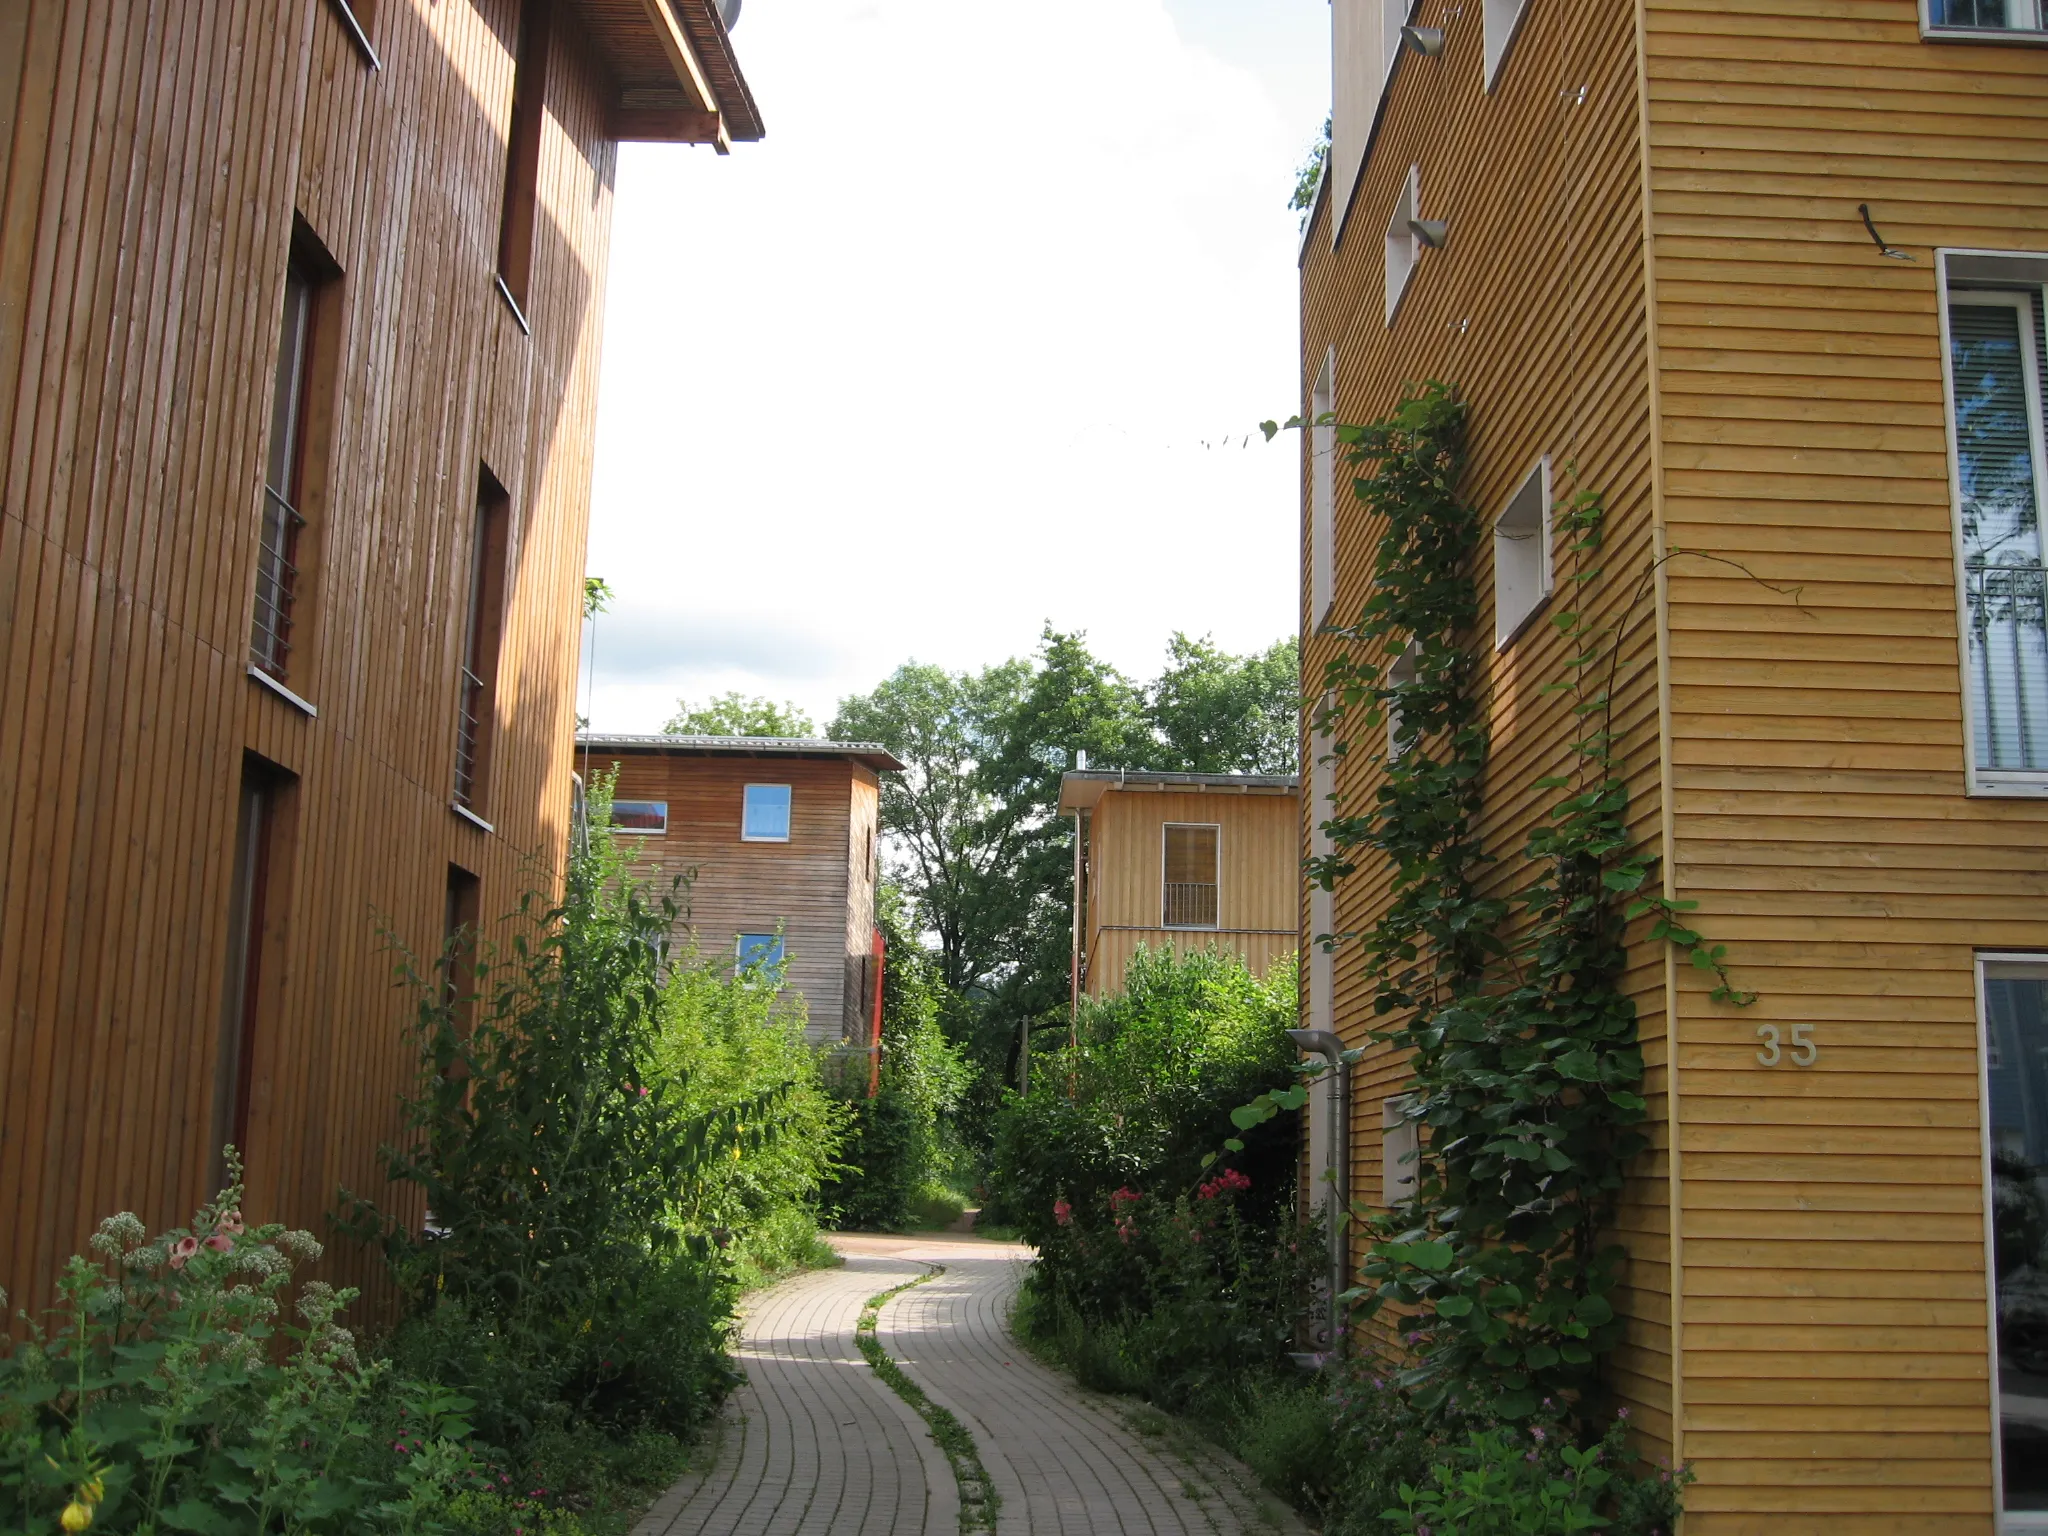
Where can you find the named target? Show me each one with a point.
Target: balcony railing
(277, 580)
(2008, 612)
(468, 726)
(1189, 906)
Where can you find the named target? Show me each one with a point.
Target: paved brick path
(815, 1443)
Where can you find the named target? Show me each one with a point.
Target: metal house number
(1804, 1052)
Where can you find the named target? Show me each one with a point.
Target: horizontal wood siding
(1835, 1328)
(155, 157)
(803, 886)
(1537, 310)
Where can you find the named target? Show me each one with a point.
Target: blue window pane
(766, 818)
(762, 951)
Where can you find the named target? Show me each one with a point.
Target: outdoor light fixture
(1431, 232)
(1427, 41)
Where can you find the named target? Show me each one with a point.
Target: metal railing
(1189, 905)
(2008, 616)
(468, 726)
(277, 580)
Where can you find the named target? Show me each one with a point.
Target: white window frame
(1404, 248)
(1322, 537)
(1503, 24)
(2006, 783)
(1506, 628)
(789, 825)
(660, 831)
(1215, 927)
(2031, 36)
(2013, 1522)
(1400, 671)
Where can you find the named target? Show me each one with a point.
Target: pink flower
(221, 1244)
(182, 1250)
(1062, 1212)
(231, 1224)
(1123, 1197)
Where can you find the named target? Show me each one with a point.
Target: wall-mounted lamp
(1427, 41)
(1431, 232)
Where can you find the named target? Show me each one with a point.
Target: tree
(1218, 713)
(738, 714)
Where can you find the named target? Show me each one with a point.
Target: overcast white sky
(956, 349)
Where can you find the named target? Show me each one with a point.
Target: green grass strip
(979, 1501)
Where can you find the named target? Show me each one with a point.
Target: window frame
(1165, 926)
(1496, 59)
(1409, 197)
(1322, 440)
(1400, 670)
(483, 640)
(788, 812)
(2035, 36)
(774, 936)
(1506, 633)
(1995, 783)
(660, 831)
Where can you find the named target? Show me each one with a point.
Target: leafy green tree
(1218, 713)
(738, 714)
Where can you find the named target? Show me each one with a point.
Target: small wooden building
(1180, 860)
(777, 842)
(300, 310)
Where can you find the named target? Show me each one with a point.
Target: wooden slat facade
(153, 159)
(1657, 271)
(817, 889)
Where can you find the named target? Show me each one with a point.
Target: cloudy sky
(971, 341)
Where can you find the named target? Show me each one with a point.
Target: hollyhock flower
(1062, 1212)
(182, 1250)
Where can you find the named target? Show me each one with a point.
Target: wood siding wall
(805, 886)
(1258, 874)
(153, 159)
(1537, 311)
(1834, 1309)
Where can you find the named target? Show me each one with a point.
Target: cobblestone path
(815, 1443)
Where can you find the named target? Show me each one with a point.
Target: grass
(979, 1501)
(936, 1207)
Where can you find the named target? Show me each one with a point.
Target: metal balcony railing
(277, 580)
(2008, 614)
(468, 725)
(1189, 906)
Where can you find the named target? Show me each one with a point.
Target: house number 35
(1804, 1052)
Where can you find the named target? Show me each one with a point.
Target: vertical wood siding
(1836, 1359)
(1537, 310)
(805, 886)
(155, 155)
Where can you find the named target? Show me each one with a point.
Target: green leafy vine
(1520, 1038)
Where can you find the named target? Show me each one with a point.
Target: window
(461, 915)
(1400, 674)
(257, 882)
(1365, 44)
(645, 818)
(1503, 21)
(1322, 439)
(2013, 1002)
(759, 951)
(1403, 245)
(765, 816)
(477, 703)
(1521, 556)
(1996, 344)
(522, 154)
(281, 531)
(1400, 1143)
(1987, 16)
(1190, 885)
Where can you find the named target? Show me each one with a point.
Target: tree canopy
(738, 714)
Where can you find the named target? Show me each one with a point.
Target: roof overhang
(674, 76)
(869, 754)
(1083, 789)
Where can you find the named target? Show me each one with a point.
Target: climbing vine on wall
(1520, 1039)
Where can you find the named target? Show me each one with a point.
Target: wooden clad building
(299, 318)
(1770, 279)
(776, 842)
(1180, 861)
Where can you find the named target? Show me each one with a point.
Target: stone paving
(816, 1443)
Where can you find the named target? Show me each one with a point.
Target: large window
(483, 629)
(1521, 556)
(1404, 247)
(284, 463)
(1503, 20)
(1990, 17)
(1322, 440)
(1995, 351)
(522, 155)
(1189, 895)
(2014, 993)
(258, 880)
(764, 817)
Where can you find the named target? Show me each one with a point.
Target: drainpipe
(1334, 1106)
(1074, 968)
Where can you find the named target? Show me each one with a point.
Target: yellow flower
(76, 1516)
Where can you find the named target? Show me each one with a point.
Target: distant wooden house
(1180, 861)
(777, 840)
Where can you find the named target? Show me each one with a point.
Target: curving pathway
(814, 1442)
